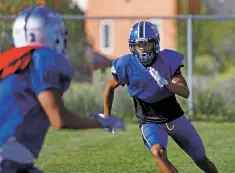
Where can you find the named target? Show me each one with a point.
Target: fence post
(190, 62)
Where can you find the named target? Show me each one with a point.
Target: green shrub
(213, 98)
(87, 98)
(205, 65)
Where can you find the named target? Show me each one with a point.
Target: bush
(205, 65)
(87, 98)
(213, 98)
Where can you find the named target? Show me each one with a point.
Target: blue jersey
(21, 115)
(150, 100)
(139, 81)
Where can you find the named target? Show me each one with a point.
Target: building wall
(120, 28)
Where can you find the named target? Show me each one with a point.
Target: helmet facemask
(145, 49)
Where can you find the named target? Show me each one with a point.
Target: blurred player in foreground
(33, 76)
(153, 77)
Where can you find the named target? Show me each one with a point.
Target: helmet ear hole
(57, 41)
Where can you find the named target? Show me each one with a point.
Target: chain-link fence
(206, 41)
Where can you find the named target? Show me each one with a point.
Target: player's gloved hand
(160, 80)
(110, 123)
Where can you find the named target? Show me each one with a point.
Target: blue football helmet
(144, 32)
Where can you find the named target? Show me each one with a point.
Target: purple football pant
(182, 132)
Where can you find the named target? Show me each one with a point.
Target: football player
(153, 78)
(33, 76)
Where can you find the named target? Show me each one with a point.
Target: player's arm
(178, 84)
(50, 76)
(109, 94)
(112, 83)
(59, 116)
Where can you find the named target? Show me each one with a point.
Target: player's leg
(15, 158)
(7, 166)
(206, 165)
(35, 170)
(187, 137)
(15, 170)
(155, 138)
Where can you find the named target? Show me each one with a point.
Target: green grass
(96, 151)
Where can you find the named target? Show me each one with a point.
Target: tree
(76, 35)
(210, 37)
(10, 8)
(76, 38)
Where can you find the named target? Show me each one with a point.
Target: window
(106, 36)
(157, 23)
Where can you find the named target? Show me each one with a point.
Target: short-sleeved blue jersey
(21, 115)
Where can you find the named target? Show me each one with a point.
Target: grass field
(96, 151)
